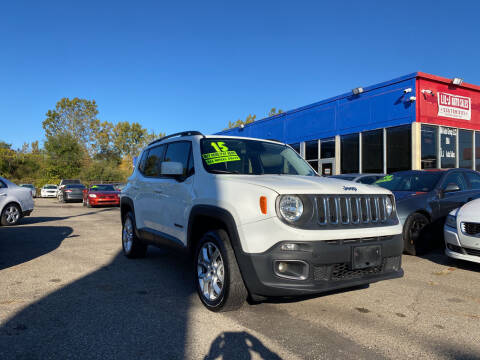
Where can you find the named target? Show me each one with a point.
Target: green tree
(130, 138)
(64, 156)
(249, 119)
(77, 117)
(273, 111)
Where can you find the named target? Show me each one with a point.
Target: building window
(477, 150)
(349, 153)
(429, 146)
(465, 148)
(448, 147)
(372, 151)
(399, 148)
(296, 147)
(327, 148)
(311, 150)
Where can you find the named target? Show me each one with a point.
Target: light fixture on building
(427, 91)
(407, 90)
(357, 91)
(457, 81)
(412, 98)
(242, 126)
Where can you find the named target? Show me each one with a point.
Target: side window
(141, 164)
(2, 184)
(179, 152)
(191, 165)
(474, 180)
(154, 161)
(455, 178)
(368, 180)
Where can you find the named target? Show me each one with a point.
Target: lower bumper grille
(474, 252)
(342, 271)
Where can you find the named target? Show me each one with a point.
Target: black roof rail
(183, 133)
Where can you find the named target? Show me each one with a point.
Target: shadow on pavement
(438, 256)
(17, 245)
(239, 345)
(128, 309)
(41, 219)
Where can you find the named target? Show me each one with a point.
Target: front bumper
(100, 202)
(69, 197)
(455, 249)
(329, 266)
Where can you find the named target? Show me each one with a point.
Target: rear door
(3, 194)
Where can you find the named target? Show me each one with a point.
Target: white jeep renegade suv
(257, 219)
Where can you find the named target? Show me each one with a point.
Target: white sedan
(462, 232)
(15, 202)
(49, 190)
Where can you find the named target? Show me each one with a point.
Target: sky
(181, 65)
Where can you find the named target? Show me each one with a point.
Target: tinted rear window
(75, 186)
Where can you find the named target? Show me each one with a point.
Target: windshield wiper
(215, 171)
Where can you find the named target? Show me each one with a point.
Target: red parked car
(101, 194)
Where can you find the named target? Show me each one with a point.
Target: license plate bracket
(366, 256)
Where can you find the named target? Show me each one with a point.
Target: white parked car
(462, 232)
(49, 190)
(257, 219)
(15, 202)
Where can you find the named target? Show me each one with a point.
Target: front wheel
(131, 245)
(416, 238)
(11, 214)
(217, 276)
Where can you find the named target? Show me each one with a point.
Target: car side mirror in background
(452, 187)
(171, 168)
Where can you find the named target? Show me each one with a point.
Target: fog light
(291, 269)
(393, 263)
(289, 247)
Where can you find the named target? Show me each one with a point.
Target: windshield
(419, 182)
(251, 157)
(75, 186)
(343, 177)
(102, 188)
(50, 187)
(27, 186)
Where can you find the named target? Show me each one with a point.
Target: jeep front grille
(351, 210)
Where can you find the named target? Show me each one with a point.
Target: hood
(404, 195)
(469, 212)
(294, 184)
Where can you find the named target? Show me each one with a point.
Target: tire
(131, 245)
(11, 214)
(217, 294)
(415, 234)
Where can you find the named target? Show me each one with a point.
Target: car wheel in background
(11, 214)
(131, 245)
(217, 277)
(415, 234)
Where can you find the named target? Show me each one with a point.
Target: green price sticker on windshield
(385, 179)
(220, 155)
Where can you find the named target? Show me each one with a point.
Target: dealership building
(417, 121)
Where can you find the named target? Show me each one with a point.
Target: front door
(455, 199)
(3, 194)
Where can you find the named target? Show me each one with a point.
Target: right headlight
(389, 206)
(451, 221)
(290, 207)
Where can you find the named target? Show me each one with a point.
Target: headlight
(290, 207)
(92, 195)
(388, 205)
(451, 221)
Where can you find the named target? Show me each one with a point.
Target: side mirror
(452, 187)
(171, 168)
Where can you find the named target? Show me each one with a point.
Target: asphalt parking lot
(68, 292)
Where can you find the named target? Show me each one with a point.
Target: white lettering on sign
(454, 106)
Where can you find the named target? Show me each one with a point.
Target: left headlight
(92, 195)
(290, 207)
(451, 221)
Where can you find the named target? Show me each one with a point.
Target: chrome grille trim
(351, 209)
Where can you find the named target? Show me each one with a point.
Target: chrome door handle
(158, 191)
(3, 194)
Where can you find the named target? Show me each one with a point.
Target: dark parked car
(424, 198)
(360, 178)
(73, 192)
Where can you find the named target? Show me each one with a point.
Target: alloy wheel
(12, 214)
(210, 271)
(127, 235)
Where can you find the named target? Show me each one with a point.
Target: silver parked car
(32, 188)
(15, 202)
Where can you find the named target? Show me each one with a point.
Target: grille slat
(471, 228)
(351, 210)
